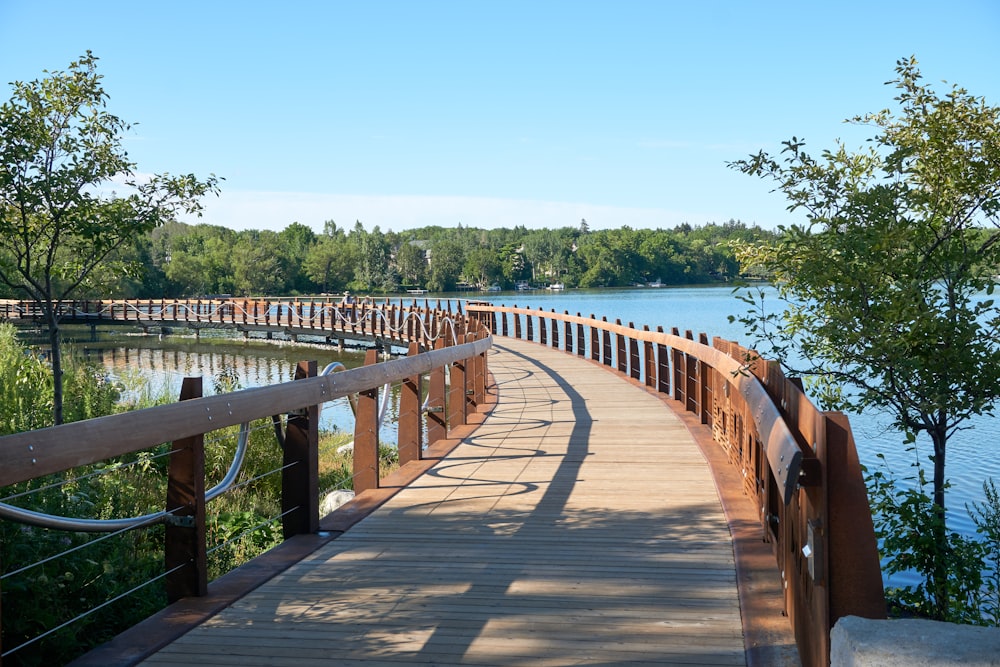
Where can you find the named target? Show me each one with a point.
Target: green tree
(482, 266)
(885, 288)
(372, 271)
(411, 261)
(258, 265)
(296, 241)
(59, 149)
(330, 261)
(447, 260)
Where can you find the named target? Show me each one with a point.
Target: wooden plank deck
(579, 525)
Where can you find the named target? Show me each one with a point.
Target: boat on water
(655, 283)
(492, 288)
(556, 286)
(416, 291)
(522, 286)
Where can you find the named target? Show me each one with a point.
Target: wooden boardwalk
(579, 525)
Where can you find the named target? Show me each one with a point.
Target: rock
(335, 499)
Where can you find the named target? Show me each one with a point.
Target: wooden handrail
(45, 451)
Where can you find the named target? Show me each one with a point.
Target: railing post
(300, 466)
(595, 341)
(650, 363)
(184, 537)
(366, 435)
(410, 430)
(678, 370)
(555, 330)
(622, 353)
(457, 401)
(479, 363)
(605, 344)
(663, 366)
(705, 382)
(437, 425)
(633, 354)
(543, 329)
(691, 383)
(580, 339)
(517, 324)
(854, 577)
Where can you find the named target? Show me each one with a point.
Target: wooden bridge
(679, 509)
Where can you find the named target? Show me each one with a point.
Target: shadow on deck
(578, 524)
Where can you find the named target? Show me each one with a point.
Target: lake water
(700, 309)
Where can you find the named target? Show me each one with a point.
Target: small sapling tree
(60, 229)
(884, 290)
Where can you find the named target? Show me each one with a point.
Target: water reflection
(157, 365)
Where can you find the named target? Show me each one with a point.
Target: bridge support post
(300, 474)
(184, 538)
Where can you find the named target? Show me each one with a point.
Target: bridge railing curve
(799, 465)
(443, 379)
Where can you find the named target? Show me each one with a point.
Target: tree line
(184, 260)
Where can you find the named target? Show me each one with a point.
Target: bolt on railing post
(300, 471)
(184, 550)
(410, 430)
(366, 435)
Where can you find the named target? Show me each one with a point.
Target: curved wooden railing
(367, 319)
(799, 464)
(425, 416)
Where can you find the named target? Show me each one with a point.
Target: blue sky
(401, 114)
